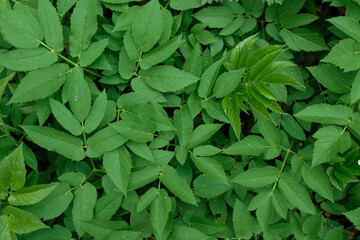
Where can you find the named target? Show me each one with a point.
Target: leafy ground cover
(179, 119)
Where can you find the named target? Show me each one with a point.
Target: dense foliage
(179, 119)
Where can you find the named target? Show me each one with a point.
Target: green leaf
(240, 53)
(5, 232)
(186, 233)
(124, 21)
(103, 141)
(345, 55)
(355, 89)
(243, 222)
(144, 176)
(100, 228)
(206, 187)
(295, 193)
(54, 204)
(133, 130)
(20, 28)
(159, 211)
(118, 166)
(50, 25)
(56, 233)
(298, 20)
(172, 181)
(22, 222)
(97, 113)
(147, 26)
(278, 78)
(334, 234)
(28, 59)
(353, 216)
(40, 84)
(30, 195)
(185, 4)
(93, 52)
(12, 170)
(326, 114)
(161, 53)
(167, 78)
(313, 224)
(64, 5)
(262, 202)
(211, 168)
(123, 235)
(208, 79)
(79, 94)
(201, 134)
(83, 26)
(183, 122)
(146, 199)
(292, 127)
(233, 112)
(206, 150)
(257, 177)
(140, 149)
(57, 141)
(73, 178)
(65, 118)
(83, 206)
(318, 181)
(327, 144)
(251, 145)
(107, 205)
(303, 39)
(227, 83)
(348, 25)
(215, 17)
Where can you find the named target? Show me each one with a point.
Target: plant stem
(282, 167)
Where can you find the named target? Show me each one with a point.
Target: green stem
(282, 168)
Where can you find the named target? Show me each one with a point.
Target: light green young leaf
(28, 59)
(118, 166)
(73, 178)
(251, 145)
(211, 168)
(20, 28)
(161, 53)
(140, 149)
(30, 195)
(79, 94)
(159, 211)
(208, 79)
(133, 130)
(83, 26)
(93, 52)
(348, 25)
(240, 53)
(167, 78)
(103, 141)
(326, 114)
(12, 170)
(215, 17)
(65, 118)
(345, 55)
(50, 25)
(257, 177)
(303, 39)
(233, 112)
(278, 78)
(57, 141)
(108, 204)
(97, 113)
(41, 83)
(227, 83)
(147, 26)
(146, 199)
(83, 206)
(173, 182)
(22, 222)
(201, 134)
(318, 181)
(295, 193)
(54, 204)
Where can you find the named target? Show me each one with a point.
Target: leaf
(118, 166)
(298, 20)
(313, 224)
(242, 220)
(186, 233)
(5, 232)
(348, 25)
(97, 113)
(159, 211)
(22, 222)
(93, 52)
(227, 83)
(326, 114)
(28, 59)
(183, 122)
(140, 149)
(56, 233)
(65, 118)
(83, 26)
(124, 21)
(100, 228)
(161, 53)
(103, 141)
(73, 178)
(262, 202)
(30, 195)
(215, 17)
(107, 205)
(318, 181)
(147, 26)
(57, 141)
(355, 89)
(211, 168)
(353, 216)
(292, 127)
(206, 150)
(146, 199)
(208, 78)
(201, 134)
(123, 235)
(20, 28)
(278, 78)
(83, 206)
(206, 187)
(184, 4)
(167, 78)
(53, 204)
(50, 25)
(251, 145)
(344, 55)
(144, 176)
(233, 113)
(303, 39)
(172, 181)
(40, 84)
(133, 130)
(327, 144)
(334, 234)
(64, 5)
(295, 193)
(257, 177)
(12, 170)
